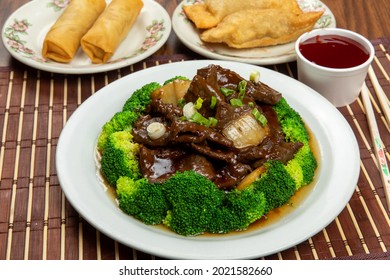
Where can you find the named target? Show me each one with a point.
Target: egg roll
(63, 39)
(260, 28)
(211, 12)
(110, 29)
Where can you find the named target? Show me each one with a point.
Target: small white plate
(189, 36)
(24, 31)
(337, 175)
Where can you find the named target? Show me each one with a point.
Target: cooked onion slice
(246, 131)
(156, 130)
(171, 92)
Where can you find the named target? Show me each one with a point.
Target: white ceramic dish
(337, 177)
(24, 31)
(189, 36)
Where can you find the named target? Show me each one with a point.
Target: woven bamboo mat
(37, 222)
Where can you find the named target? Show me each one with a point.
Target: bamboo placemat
(37, 222)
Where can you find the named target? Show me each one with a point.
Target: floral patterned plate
(24, 31)
(189, 36)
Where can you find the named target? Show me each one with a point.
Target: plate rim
(151, 234)
(284, 58)
(92, 68)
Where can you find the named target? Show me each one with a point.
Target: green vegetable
(193, 198)
(304, 163)
(142, 200)
(276, 184)
(226, 91)
(120, 157)
(121, 121)
(213, 102)
(236, 102)
(138, 101)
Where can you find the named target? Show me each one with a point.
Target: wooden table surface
(37, 221)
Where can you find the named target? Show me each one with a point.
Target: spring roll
(260, 28)
(63, 39)
(110, 29)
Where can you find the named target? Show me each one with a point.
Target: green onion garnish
(213, 102)
(198, 103)
(259, 117)
(226, 91)
(236, 102)
(241, 89)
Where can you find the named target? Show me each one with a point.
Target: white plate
(338, 171)
(24, 31)
(189, 36)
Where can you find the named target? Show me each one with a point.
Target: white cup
(341, 86)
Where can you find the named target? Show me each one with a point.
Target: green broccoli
(276, 184)
(140, 98)
(304, 163)
(121, 121)
(238, 210)
(141, 199)
(193, 198)
(120, 157)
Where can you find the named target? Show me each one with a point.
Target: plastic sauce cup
(338, 79)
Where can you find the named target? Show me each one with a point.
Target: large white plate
(189, 36)
(338, 171)
(24, 31)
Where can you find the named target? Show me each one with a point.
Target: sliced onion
(189, 110)
(156, 130)
(245, 131)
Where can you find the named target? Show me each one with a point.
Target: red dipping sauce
(333, 51)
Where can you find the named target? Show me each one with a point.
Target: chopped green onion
(213, 102)
(198, 103)
(236, 102)
(251, 104)
(226, 91)
(198, 118)
(254, 76)
(212, 122)
(241, 89)
(259, 117)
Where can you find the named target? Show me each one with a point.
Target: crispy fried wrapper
(63, 39)
(260, 28)
(211, 12)
(110, 29)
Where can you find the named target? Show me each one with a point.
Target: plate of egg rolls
(85, 36)
(259, 32)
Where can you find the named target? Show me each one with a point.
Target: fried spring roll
(63, 39)
(110, 29)
(260, 28)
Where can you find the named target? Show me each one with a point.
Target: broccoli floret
(119, 122)
(193, 198)
(302, 167)
(141, 199)
(120, 157)
(291, 122)
(238, 210)
(176, 78)
(140, 98)
(276, 184)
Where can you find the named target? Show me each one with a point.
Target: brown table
(36, 220)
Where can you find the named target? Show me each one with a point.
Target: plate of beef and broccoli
(208, 160)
